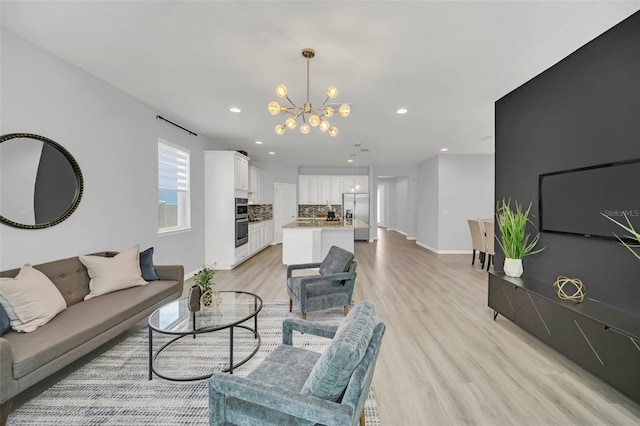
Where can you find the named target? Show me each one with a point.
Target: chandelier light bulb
(281, 91)
(314, 120)
(274, 108)
(333, 132)
(328, 111)
(280, 129)
(291, 123)
(344, 110)
(332, 92)
(304, 129)
(324, 126)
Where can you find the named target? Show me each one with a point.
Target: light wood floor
(444, 361)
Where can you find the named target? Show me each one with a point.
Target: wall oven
(242, 221)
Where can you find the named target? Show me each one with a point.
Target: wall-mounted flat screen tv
(573, 201)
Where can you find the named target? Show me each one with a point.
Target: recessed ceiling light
(444, 149)
(234, 109)
(272, 153)
(258, 142)
(349, 160)
(401, 111)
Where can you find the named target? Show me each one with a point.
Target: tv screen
(573, 201)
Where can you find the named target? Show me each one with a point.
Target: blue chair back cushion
(337, 260)
(331, 374)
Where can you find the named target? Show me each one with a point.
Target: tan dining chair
(477, 240)
(489, 240)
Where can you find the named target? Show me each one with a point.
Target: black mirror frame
(76, 171)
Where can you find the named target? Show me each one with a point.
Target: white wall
(272, 173)
(114, 139)
(452, 189)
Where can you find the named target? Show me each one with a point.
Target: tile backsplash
(316, 210)
(260, 211)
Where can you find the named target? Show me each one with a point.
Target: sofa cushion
(111, 274)
(30, 299)
(337, 260)
(146, 264)
(5, 325)
(81, 322)
(332, 372)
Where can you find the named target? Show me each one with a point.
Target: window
(173, 188)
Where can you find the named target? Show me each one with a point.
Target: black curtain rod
(186, 130)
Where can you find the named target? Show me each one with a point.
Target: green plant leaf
(512, 223)
(631, 230)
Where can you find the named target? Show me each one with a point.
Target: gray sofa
(27, 358)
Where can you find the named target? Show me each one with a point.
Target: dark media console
(599, 337)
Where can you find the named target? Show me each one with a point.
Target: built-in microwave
(242, 208)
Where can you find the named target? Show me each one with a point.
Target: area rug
(113, 388)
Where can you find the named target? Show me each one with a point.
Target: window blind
(173, 168)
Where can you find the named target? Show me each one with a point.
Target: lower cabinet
(596, 336)
(260, 236)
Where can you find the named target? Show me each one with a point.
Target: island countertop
(310, 223)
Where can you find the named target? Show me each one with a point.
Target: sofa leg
(290, 305)
(5, 409)
(346, 310)
(362, 419)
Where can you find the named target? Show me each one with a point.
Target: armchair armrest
(342, 276)
(304, 326)
(291, 268)
(307, 407)
(170, 272)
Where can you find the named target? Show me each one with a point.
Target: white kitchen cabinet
(308, 189)
(313, 189)
(255, 185)
(241, 170)
(260, 236)
(219, 208)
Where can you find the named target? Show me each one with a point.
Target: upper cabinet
(241, 172)
(313, 189)
(255, 185)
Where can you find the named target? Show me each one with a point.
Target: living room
(114, 137)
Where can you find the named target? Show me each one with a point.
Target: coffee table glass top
(175, 317)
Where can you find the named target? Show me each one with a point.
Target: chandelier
(314, 117)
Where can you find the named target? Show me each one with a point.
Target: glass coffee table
(174, 318)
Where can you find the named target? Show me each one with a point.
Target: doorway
(284, 208)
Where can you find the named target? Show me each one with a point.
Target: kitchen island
(309, 240)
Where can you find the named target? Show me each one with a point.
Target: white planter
(513, 267)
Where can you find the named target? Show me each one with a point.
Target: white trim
(443, 251)
(426, 247)
(411, 238)
(173, 231)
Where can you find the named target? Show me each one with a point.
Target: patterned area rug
(113, 388)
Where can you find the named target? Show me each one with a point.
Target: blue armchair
(295, 386)
(330, 288)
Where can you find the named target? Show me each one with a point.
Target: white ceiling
(447, 62)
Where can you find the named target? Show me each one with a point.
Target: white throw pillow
(30, 299)
(109, 274)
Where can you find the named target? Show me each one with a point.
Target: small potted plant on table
(201, 293)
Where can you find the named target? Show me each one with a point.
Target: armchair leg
(362, 419)
(346, 310)
(290, 305)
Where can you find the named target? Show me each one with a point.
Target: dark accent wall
(583, 111)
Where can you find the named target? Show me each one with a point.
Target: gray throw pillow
(5, 325)
(331, 374)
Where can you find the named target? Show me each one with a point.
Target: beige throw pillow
(109, 274)
(30, 299)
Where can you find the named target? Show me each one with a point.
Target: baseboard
(436, 251)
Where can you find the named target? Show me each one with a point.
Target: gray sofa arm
(304, 326)
(291, 268)
(170, 272)
(8, 386)
(307, 407)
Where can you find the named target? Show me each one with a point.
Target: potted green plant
(514, 240)
(635, 235)
(203, 279)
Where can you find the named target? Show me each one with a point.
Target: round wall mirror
(40, 181)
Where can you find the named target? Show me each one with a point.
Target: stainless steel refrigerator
(356, 206)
